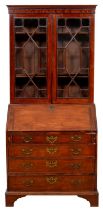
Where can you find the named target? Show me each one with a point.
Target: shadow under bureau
(51, 150)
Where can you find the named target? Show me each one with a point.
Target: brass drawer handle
(27, 151)
(76, 182)
(76, 138)
(76, 165)
(28, 183)
(27, 139)
(51, 163)
(51, 139)
(51, 179)
(76, 151)
(27, 165)
(51, 150)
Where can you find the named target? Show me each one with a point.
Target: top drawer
(52, 137)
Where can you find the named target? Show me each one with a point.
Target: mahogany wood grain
(57, 151)
(70, 166)
(91, 196)
(51, 118)
(53, 137)
(91, 62)
(51, 143)
(12, 59)
(10, 198)
(13, 98)
(51, 12)
(91, 82)
(51, 182)
(42, 9)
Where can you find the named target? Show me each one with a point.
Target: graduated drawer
(51, 151)
(51, 183)
(75, 166)
(53, 137)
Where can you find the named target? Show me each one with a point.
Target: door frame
(13, 98)
(91, 61)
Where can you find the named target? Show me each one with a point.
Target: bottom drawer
(52, 183)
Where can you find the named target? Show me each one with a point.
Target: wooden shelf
(42, 75)
(31, 75)
(22, 89)
(86, 89)
(36, 33)
(84, 33)
(85, 76)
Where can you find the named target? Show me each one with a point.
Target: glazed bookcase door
(72, 52)
(31, 59)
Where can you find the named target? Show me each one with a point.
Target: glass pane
(73, 57)
(73, 25)
(31, 57)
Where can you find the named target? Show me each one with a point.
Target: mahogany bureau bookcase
(51, 133)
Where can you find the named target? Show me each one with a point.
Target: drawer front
(52, 183)
(78, 166)
(54, 137)
(51, 151)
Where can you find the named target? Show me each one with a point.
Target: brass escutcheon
(51, 107)
(51, 163)
(51, 139)
(51, 150)
(51, 179)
